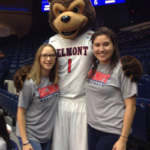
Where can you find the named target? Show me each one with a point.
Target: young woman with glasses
(38, 101)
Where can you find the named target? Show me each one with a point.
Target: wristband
(25, 143)
(124, 136)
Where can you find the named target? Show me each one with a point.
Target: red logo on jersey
(48, 90)
(99, 76)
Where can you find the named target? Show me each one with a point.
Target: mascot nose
(65, 18)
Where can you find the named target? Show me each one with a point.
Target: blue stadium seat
(13, 66)
(11, 106)
(144, 102)
(5, 100)
(0, 97)
(13, 145)
(10, 103)
(146, 77)
(140, 126)
(138, 57)
(15, 103)
(144, 88)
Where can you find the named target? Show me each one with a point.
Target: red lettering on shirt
(99, 76)
(45, 91)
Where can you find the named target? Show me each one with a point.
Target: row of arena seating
(141, 123)
(144, 87)
(140, 138)
(20, 49)
(131, 37)
(9, 102)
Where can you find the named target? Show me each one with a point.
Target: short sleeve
(128, 88)
(25, 95)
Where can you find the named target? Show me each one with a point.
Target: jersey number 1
(69, 65)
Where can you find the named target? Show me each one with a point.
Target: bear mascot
(71, 20)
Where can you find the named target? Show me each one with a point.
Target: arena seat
(14, 108)
(13, 145)
(11, 106)
(141, 124)
(146, 77)
(144, 88)
(0, 97)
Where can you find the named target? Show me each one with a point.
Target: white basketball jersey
(75, 58)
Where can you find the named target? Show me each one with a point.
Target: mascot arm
(20, 77)
(131, 67)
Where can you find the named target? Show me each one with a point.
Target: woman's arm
(130, 108)
(22, 123)
(21, 113)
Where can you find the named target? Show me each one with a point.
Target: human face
(47, 62)
(103, 49)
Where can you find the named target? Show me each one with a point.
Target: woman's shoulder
(118, 66)
(29, 82)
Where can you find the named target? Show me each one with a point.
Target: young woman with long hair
(110, 96)
(38, 101)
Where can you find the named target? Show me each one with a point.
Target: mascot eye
(76, 10)
(60, 12)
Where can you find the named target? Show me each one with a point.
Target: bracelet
(25, 143)
(124, 136)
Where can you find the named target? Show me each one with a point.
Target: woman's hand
(27, 147)
(120, 144)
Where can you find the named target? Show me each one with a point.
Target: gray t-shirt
(41, 103)
(105, 95)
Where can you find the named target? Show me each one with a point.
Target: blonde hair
(35, 73)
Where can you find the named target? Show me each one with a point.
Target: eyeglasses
(45, 56)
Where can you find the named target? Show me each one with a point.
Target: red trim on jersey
(69, 65)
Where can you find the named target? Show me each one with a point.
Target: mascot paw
(20, 77)
(131, 67)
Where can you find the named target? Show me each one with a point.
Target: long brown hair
(115, 56)
(35, 73)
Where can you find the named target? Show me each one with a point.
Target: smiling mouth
(68, 33)
(102, 54)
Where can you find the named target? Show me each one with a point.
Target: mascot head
(71, 17)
